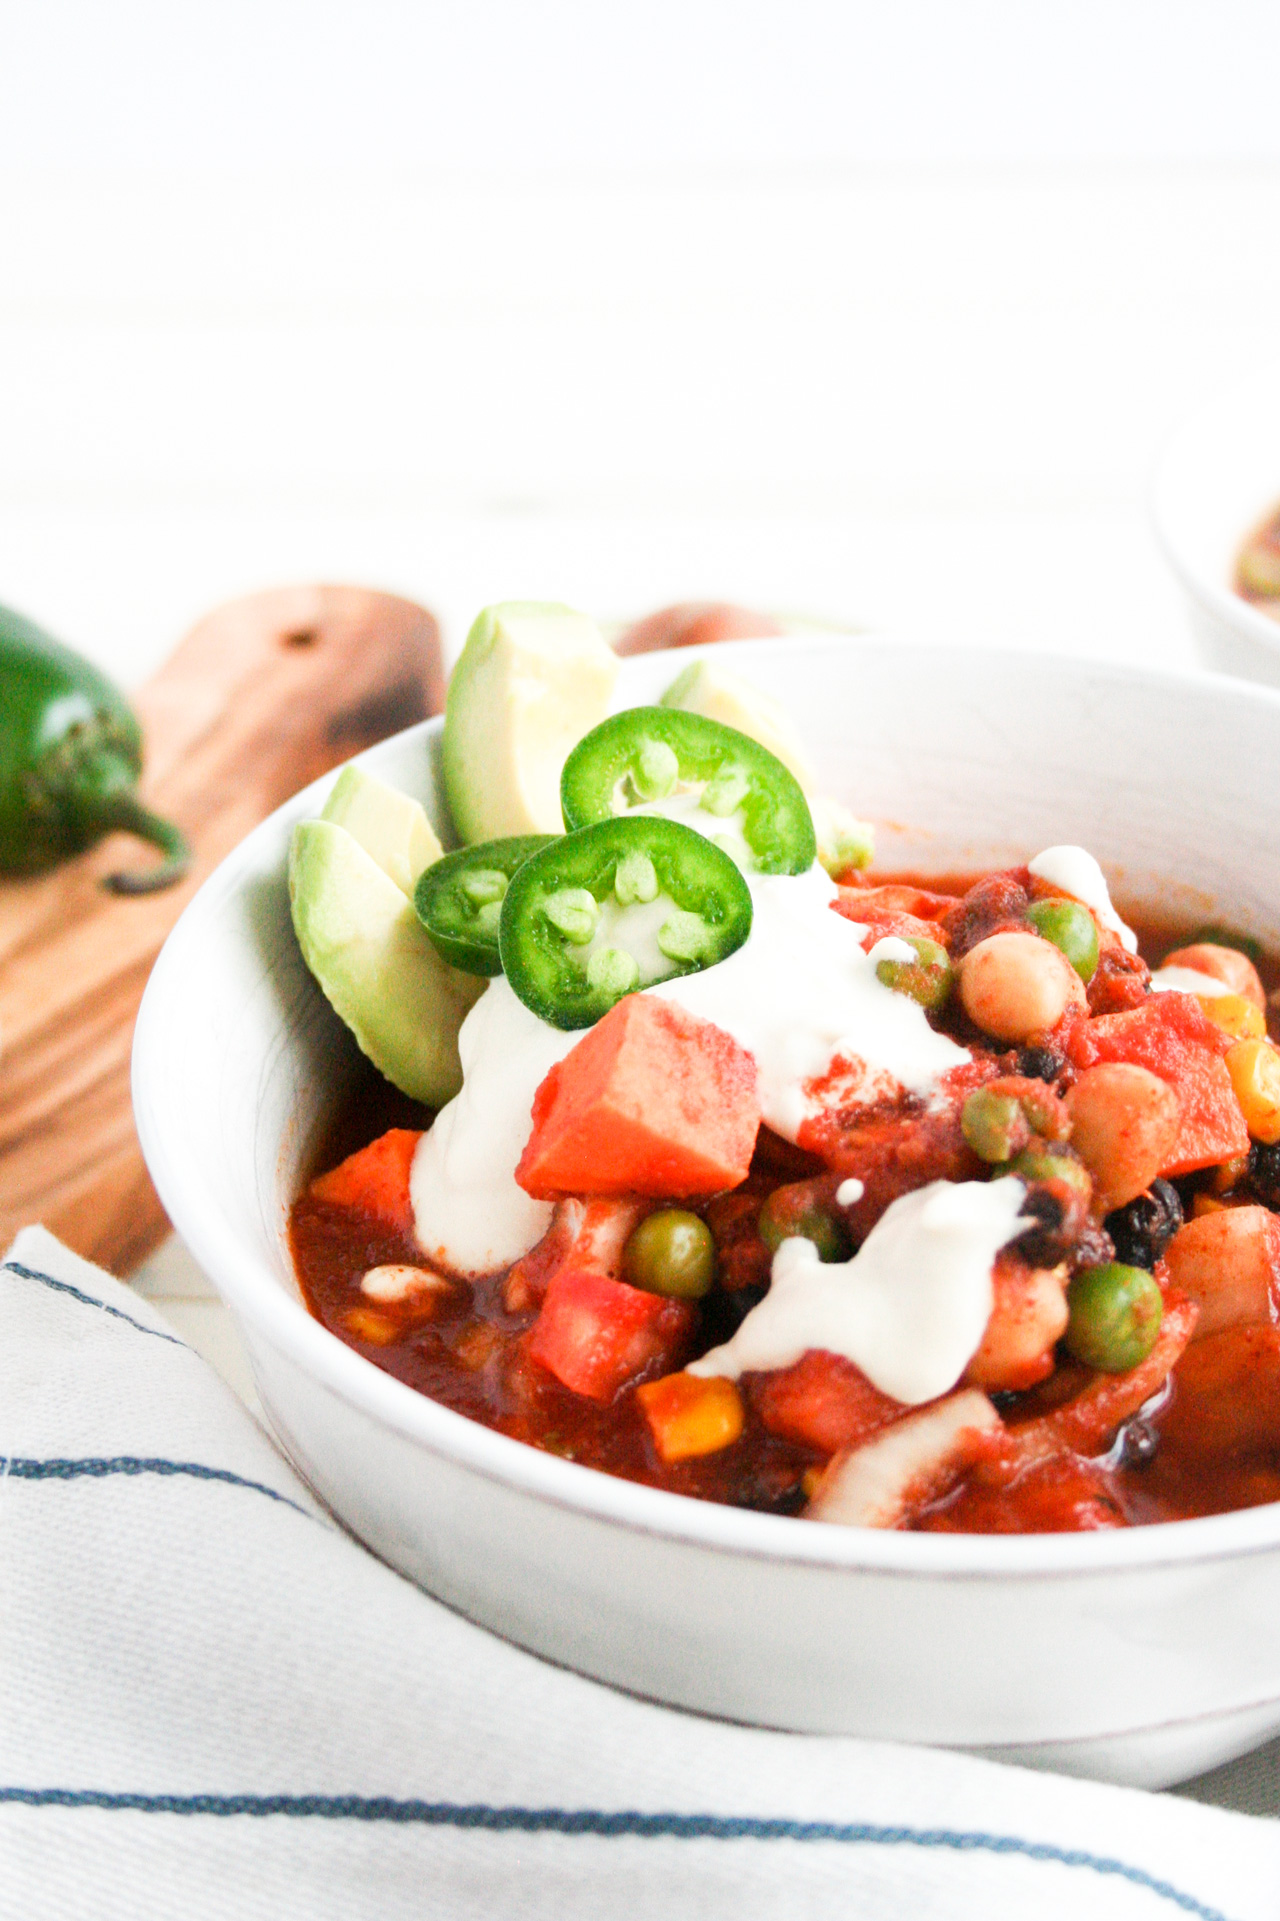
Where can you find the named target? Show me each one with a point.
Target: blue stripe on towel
(89, 1300)
(608, 1826)
(96, 1467)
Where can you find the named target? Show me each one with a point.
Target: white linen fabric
(216, 1706)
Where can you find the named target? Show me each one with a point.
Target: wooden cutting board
(262, 697)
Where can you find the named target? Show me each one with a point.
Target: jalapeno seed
(671, 1252)
(655, 770)
(483, 885)
(612, 971)
(574, 913)
(1114, 1314)
(927, 979)
(683, 937)
(636, 879)
(1072, 929)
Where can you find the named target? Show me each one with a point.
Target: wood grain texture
(263, 696)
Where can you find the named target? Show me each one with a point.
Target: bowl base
(1156, 1757)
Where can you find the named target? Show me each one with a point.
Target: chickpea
(1015, 985)
(1228, 1263)
(1226, 964)
(1124, 1126)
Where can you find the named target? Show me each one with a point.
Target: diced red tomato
(822, 1401)
(650, 1101)
(595, 1334)
(1170, 1035)
(376, 1180)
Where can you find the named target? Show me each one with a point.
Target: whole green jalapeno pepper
(664, 761)
(614, 907)
(459, 899)
(70, 757)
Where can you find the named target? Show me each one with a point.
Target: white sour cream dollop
(1187, 980)
(1077, 873)
(798, 994)
(469, 1214)
(909, 1309)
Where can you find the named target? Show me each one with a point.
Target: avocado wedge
(391, 827)
(365, 945)
(532, 679)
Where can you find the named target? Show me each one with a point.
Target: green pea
(794, 1213)
(927, 979)
(1115, 1314)
(671, 1252)
(1048, 1161)
(1072, 929)
(574, 912)
(994, 1124)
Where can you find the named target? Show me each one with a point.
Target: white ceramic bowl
(1220, 476)
(1141, 1655)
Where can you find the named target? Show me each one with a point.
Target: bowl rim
(285, 1324)
(1227, 606)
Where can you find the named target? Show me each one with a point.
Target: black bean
(1142, 1230)
(1040, 1063)
(724, 1310)
(1264, 1172)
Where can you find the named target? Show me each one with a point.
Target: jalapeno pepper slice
(614, 907)
(459, 899)
(664, 761)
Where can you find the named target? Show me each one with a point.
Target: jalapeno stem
(124, 813)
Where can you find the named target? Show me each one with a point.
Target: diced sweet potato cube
(376, 1180)
(595, 1334)
(689, 1415)
(1171, 1036)
(650, 1101)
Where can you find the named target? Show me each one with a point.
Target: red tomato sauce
(1206, 1442)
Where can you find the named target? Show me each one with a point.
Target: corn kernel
(1254, 1067)
(368, 1325)
(1205, 1204)
(1229, 1174)
(1235, 1016)
(688, 1416)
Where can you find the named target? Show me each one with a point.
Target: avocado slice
(532, 679)
(367, 948)
(734, 702)
(391, 827)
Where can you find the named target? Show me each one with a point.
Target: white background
(879, 312)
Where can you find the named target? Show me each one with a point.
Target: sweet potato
(651, 1101)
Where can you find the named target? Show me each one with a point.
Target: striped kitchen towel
(216, 1706)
